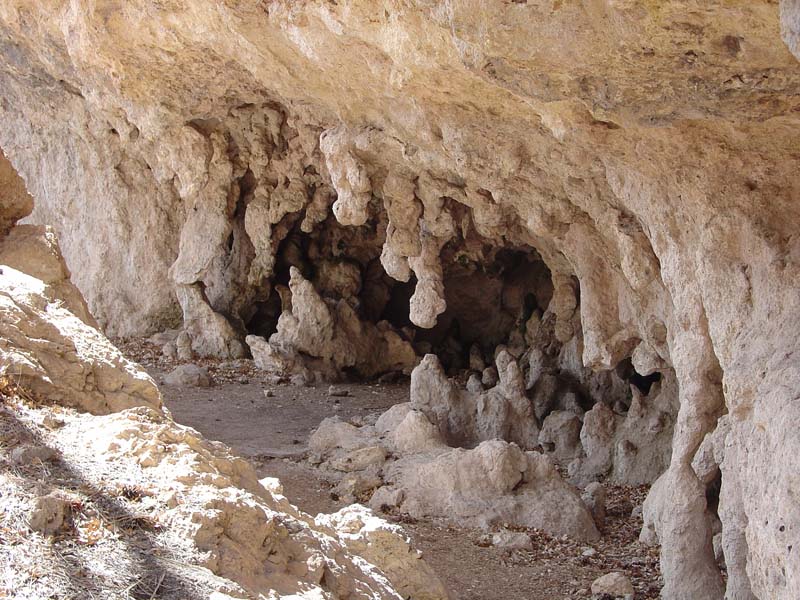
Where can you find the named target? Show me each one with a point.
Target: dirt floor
(269, 422)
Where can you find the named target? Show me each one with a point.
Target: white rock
(188, 375)
(614, 584)
(512, 540)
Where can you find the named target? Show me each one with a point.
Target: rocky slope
(189, 154)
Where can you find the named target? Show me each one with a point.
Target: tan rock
(613, 585)
(34, 250)
(15, 201)
(50, 514)
(55, 355)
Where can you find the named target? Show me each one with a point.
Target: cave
(421, 300)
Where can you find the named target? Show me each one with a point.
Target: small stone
(49, 514)
(615, 585)
(588, 552)
(474, 384)
(52, 422)
(26, 455)
(190, 375)
(300, 379)
(269, 394)
(512, 540)
(338, 391)
(489, 377)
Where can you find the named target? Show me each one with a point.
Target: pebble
(336, 390)
(25, 455)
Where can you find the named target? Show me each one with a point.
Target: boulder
(512, 540)
(495, 483)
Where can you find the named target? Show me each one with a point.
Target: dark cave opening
(643, 383)
(490, 293)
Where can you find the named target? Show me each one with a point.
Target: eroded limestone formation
(402, 462)
(72, 400)
(647, 151)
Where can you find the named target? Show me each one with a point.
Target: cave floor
(273, 431)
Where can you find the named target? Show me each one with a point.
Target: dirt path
(273, 431)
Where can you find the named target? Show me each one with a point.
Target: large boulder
(328, 337)
(493, 484)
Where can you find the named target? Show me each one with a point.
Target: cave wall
(648, 150)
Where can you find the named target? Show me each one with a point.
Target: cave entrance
(491, 293)
(489, 303)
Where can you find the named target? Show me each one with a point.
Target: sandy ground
(272, 429)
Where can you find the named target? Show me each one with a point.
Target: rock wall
(647, 150)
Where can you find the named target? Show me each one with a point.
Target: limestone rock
(389, 420)
(512, 540)
(386, 498)
(386, 547)
(415, 433)
(15, 201)
(332, 335)
(489, 377)
(492, 484)
(612, 585)
(474, 384)
(230, 522)
(333, 433)
(561, 435)
(463, 418)
(34, 250)
(28, 453)
(650, 161)
(634, 449)
(189, 375)
(57, 356)
(50, 514)
(209, 332)
(360, 459)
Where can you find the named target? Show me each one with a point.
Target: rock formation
(69, 398)
(189, 154)
(495, 483)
